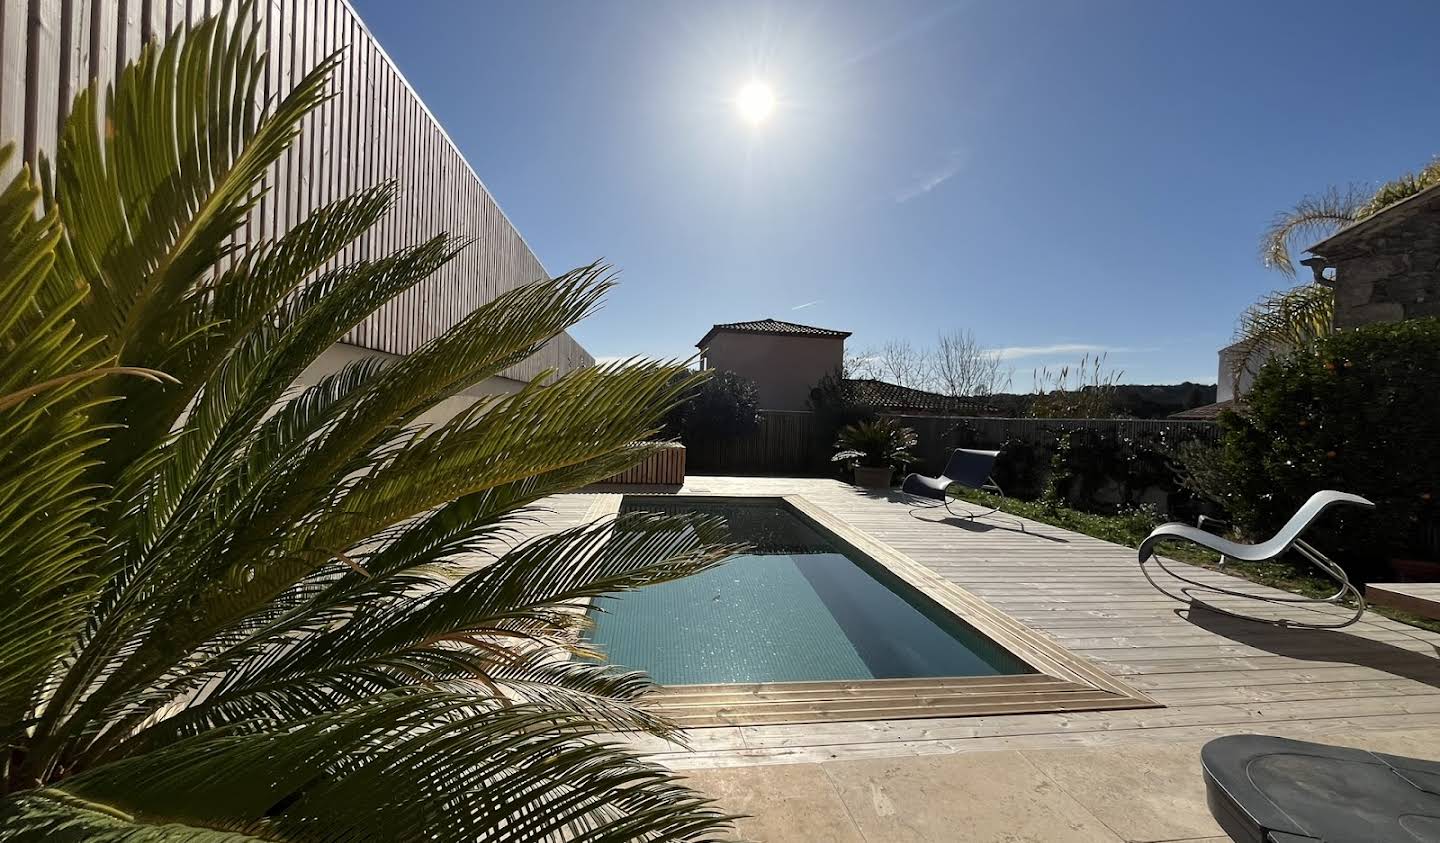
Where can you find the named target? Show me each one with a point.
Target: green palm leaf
(458, 770)
(1311, 218)
(45, 442)
(370, 639)
(150, 203)
(1292, 319)
(1285, 321)
(58, 817)
(46, 445)
(256, 611)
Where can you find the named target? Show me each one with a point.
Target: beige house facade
(784, 359)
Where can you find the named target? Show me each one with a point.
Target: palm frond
(246, 610)
(54, 816)
(200, 337)
(604, 694)
(464, 632)
(1312, 218)
(46, 442)
(1288, 320)
(1401, 188)
(576, 420)
(151, 192)
(583, 415)
(428, 760)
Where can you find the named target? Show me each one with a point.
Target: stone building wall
(1389, 271)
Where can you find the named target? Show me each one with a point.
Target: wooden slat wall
(376, 129)
(665, 467)
(788, 443)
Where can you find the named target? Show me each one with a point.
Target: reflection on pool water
(797, 608)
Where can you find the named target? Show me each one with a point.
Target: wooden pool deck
(1213, 675)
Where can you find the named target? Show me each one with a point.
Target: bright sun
(756, 101)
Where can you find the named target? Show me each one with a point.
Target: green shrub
(1357, 413)
(835, 404)
(1096, 471)
(724, 406)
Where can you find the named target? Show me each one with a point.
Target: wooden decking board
(1065, 681)
(1321, 674)
(1171, 697)
(1212, 678)
(849, 688)
(992, 699)
(821, 714)
(1421, 599)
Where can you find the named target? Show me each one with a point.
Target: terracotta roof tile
(773, 326)
(886, 396)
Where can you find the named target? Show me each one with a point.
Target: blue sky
(1055, 176)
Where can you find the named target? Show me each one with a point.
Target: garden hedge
(1360, 413)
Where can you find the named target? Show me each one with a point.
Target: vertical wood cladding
(376, 128)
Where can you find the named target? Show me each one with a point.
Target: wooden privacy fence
(375, 129)
(664, 467)
(794, 443)
(788, 443)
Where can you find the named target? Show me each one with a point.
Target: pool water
(796, 608)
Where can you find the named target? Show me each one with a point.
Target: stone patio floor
(1143, 793)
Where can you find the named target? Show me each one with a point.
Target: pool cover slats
(790, 702)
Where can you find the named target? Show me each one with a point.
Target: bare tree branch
(960, 366)
(899, 362)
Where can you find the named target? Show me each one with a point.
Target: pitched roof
(883, 395)
(1205, 412)
(1353, 236)
(773, 326)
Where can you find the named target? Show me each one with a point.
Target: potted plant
(873, 449)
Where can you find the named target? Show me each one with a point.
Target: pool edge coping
(1078, 683)
(1041, 652)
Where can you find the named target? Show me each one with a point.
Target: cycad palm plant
(234, 609)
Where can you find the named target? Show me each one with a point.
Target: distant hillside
(1141, 401)
(1160, 400)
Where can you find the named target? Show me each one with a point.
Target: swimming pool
(801, 606)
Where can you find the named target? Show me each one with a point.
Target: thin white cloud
(807, 304)
(932, 179)
(1012, 352)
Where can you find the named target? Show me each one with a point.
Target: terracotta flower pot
(869, 477)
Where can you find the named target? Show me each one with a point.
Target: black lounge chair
(1275, 790)
(1193, 592)
(968, 468)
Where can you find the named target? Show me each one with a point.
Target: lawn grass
(1130, 528)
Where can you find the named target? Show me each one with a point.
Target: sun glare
(756, 102)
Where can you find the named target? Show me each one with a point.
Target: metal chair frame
(1192, 592)
(989, 486)
(964, 463)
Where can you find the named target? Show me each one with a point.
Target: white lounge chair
(1193, 591)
